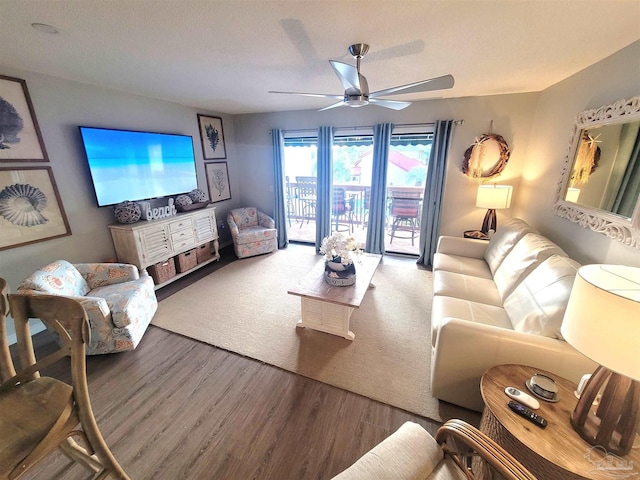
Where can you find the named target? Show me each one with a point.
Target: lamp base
(489, 222)
(612, 423)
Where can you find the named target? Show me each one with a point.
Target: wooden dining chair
(39, 414)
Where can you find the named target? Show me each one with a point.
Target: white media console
(147, 243)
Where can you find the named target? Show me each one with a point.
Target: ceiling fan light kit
(356, 87)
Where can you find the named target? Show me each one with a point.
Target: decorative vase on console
(339, 252)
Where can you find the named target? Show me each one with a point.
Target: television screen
(130, 165)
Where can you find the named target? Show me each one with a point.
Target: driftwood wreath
(486, 158)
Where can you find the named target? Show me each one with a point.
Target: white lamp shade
(494, 196)
(602, 319)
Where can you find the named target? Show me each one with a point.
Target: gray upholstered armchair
(119, 300)
(253, 232)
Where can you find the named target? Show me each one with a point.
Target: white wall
(60, 107)
(511, 114)
(611, 79)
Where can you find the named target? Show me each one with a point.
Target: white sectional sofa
(499, 302)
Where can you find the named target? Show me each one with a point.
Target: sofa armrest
(101, 274)
(465, 350)
(265, 220)
(464, 247)
(233, 226)
(408, 453)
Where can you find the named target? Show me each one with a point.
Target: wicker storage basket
(163, 271)
(186, 261)
(203, 252)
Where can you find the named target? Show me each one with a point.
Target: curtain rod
(427, 124)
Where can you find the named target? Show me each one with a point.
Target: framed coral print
(20, 137)
(30, 207)
(218, 181)
(211, 137)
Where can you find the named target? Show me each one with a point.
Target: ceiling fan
(356, 93)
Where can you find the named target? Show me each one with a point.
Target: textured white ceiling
(226, 55)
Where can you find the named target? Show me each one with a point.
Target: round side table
(557, 451)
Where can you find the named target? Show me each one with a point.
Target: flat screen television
(132, 165)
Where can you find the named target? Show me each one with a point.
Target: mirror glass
(600, 184)
(606, 170)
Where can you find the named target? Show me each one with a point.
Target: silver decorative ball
(183, 200)
(198, 195)
(127, 212)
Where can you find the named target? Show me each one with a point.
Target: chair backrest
(306, 187)
(406, 205)
(338, 202)
(68, 319)
(57, 278)
(7, 369)
(245, 217)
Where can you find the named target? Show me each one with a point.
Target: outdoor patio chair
(306, 189)
(405, 211)
(342, 210)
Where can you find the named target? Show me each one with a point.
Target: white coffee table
(327, 308)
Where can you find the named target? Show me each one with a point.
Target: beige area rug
(244, 308)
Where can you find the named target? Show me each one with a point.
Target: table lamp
(602, 321)
(492, 197)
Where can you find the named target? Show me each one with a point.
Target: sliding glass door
(301, 168)
(352, 159)
(406, 175)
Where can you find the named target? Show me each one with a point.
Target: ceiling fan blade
(393, 104)
(339, 104)
(438, 83)
(319, 95)
(348, 75)
(390, 53)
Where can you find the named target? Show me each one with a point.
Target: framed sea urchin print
(30, 207)
(20, 137)
(211, 137)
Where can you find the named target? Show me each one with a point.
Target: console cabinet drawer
(182, 236)
(181, 225)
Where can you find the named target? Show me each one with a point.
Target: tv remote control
(523, 398)
(528, 414)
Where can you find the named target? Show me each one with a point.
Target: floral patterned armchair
(120, 301)
(252, 231)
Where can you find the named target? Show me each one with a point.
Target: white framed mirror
(600, 183)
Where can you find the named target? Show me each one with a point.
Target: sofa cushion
(256, 234)
(538, 303)
(57, 278)
(130, 302)
(508, 234)
(467, 287)
(475, 312)
(475, 267)
(527, 254)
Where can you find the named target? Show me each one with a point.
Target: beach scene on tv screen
(137, 166)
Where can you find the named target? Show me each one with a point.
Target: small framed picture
(211, 137)
(218, 181)
(20, 137)
(30, 207)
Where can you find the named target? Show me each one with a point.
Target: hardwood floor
(176, 408)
